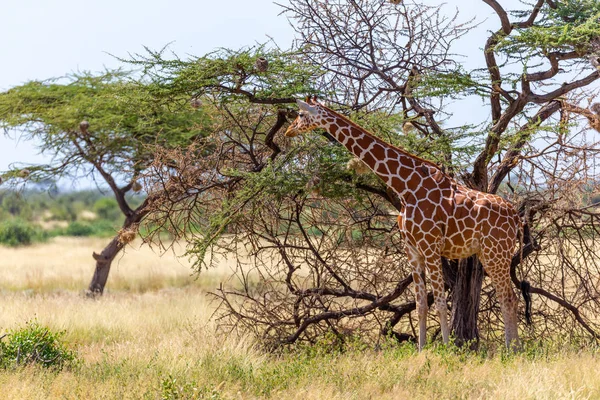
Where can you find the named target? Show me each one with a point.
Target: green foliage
(229, 74)
(16, 232)
(105, 228)
(43, 207)
(14, 204)
(107, 208)
(64, 206)
(452, 85)
(318, 166)
(62, 212)
(178, 388)
(569, 27)
(35, 344)
(98, 228)
(77, 228)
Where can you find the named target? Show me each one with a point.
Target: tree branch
(574, 310)
(511, 158)
(534, 13)
(119, 194)
(400, 288)
(252, 98)
(506, 26)
(281, 120)
(565, 88)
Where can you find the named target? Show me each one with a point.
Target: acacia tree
(538, 62)
(103, 127)
(325, 254)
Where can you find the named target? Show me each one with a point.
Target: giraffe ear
(304, 106)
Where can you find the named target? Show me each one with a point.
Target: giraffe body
(441, 218)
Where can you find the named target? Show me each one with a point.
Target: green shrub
(54, 232)
(173, 388)
(16, 232)
(77, 228)
(101, 228)
(34, 344)
(104, 228)
(107, 208)
(16, 205)
(62, 212)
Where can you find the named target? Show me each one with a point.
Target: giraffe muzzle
(291, 132)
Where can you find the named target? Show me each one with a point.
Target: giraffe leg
(499, 272)
(416, 261)
(434, 267)
(422, 308)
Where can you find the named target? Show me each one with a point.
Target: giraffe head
(309, 118)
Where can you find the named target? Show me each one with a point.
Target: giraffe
(440, 217)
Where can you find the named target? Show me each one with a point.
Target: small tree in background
(103, 127)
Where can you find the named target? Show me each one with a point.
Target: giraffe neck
(400, 170)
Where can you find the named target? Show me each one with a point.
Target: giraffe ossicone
(441, 218)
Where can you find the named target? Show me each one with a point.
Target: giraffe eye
(301, 114)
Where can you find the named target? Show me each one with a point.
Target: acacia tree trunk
(466, 295)
(103, 263)
(105, 258)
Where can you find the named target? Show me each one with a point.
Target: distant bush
(107, 208)
(54, 232)
(62, 212)
(104, 228)
(15, 204)
(77, 228)
(16, 232)
(34, 344)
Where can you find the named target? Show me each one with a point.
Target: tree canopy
(121, 118)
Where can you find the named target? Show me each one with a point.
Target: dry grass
(66, 264)
(151, 336)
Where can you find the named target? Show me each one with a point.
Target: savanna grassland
(151, 336)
